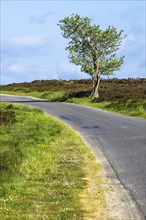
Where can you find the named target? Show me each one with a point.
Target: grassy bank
(125, 96)
(130, 107)
(135, 108)
(111, 89)
(46, 171)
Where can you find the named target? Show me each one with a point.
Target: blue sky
(32, 46)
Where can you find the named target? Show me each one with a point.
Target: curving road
(120, 138)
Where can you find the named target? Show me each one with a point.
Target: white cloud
(69, 67)
(133, 47)
(70, 71)
(16, 68)
(128, 41)
(29, 41)
(26, 46)
(42, 18)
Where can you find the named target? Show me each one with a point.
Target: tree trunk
(96, 81)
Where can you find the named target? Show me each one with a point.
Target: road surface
(120, 138)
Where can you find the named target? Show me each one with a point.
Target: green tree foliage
(92, 48)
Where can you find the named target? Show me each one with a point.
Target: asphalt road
(121, 139)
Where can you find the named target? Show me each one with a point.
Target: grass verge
(46, 171)
(130, 107)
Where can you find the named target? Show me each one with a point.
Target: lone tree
(92, 48)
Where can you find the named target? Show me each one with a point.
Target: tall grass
(46, 171)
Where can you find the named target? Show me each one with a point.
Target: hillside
(125, 96)
(111, 89)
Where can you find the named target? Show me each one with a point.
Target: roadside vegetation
(46, 172)
(125, 96)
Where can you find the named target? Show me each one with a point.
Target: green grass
(125, 96)
(49, 95)
(130, 107)
(46, 171)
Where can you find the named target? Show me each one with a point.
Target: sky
(33, 48)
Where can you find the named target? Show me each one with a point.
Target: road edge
(120, 200)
